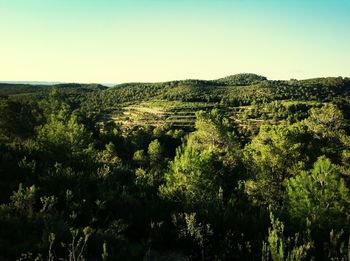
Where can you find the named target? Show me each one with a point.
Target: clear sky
(113, 41)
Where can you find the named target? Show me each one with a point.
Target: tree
(327, 121)
(319, 195)
(140, 157)
(273, 156)
(155, 151)
(16, 119)
(212, 129)
(109, 158)
(204, 166)
(62, 135)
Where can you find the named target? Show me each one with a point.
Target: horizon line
(33, 82)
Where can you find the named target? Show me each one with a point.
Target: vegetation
(239, 168)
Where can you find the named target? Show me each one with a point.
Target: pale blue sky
(156, 40)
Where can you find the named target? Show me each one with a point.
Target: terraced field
(176, 114)
(182, 115)
(160, 113)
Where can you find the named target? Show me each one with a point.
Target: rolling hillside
(175, 103)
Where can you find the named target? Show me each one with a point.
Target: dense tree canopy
(240, 168)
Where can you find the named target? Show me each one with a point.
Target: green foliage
(242, 79)
(199, 234)
(197, 174)
(17, 119)
(62, 134)
(193, 177)
(275, 155)
(23, 201)
(108, 158)
(155, 151)
(181, 170)
(278, 247)
(326, 121)
(212, 130)
(319, 195)
(140, 156)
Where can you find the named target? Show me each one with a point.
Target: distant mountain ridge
(50, 83)
(30, 82)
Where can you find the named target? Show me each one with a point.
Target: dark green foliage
(242, 79)
(17, 119)
(240, 168)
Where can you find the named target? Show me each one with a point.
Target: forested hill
(176, 102)
(238, 168)
(19, 88)
(237, 89)
(246, 79)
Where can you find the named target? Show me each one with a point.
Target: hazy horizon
(152, 41)
(109, 84)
